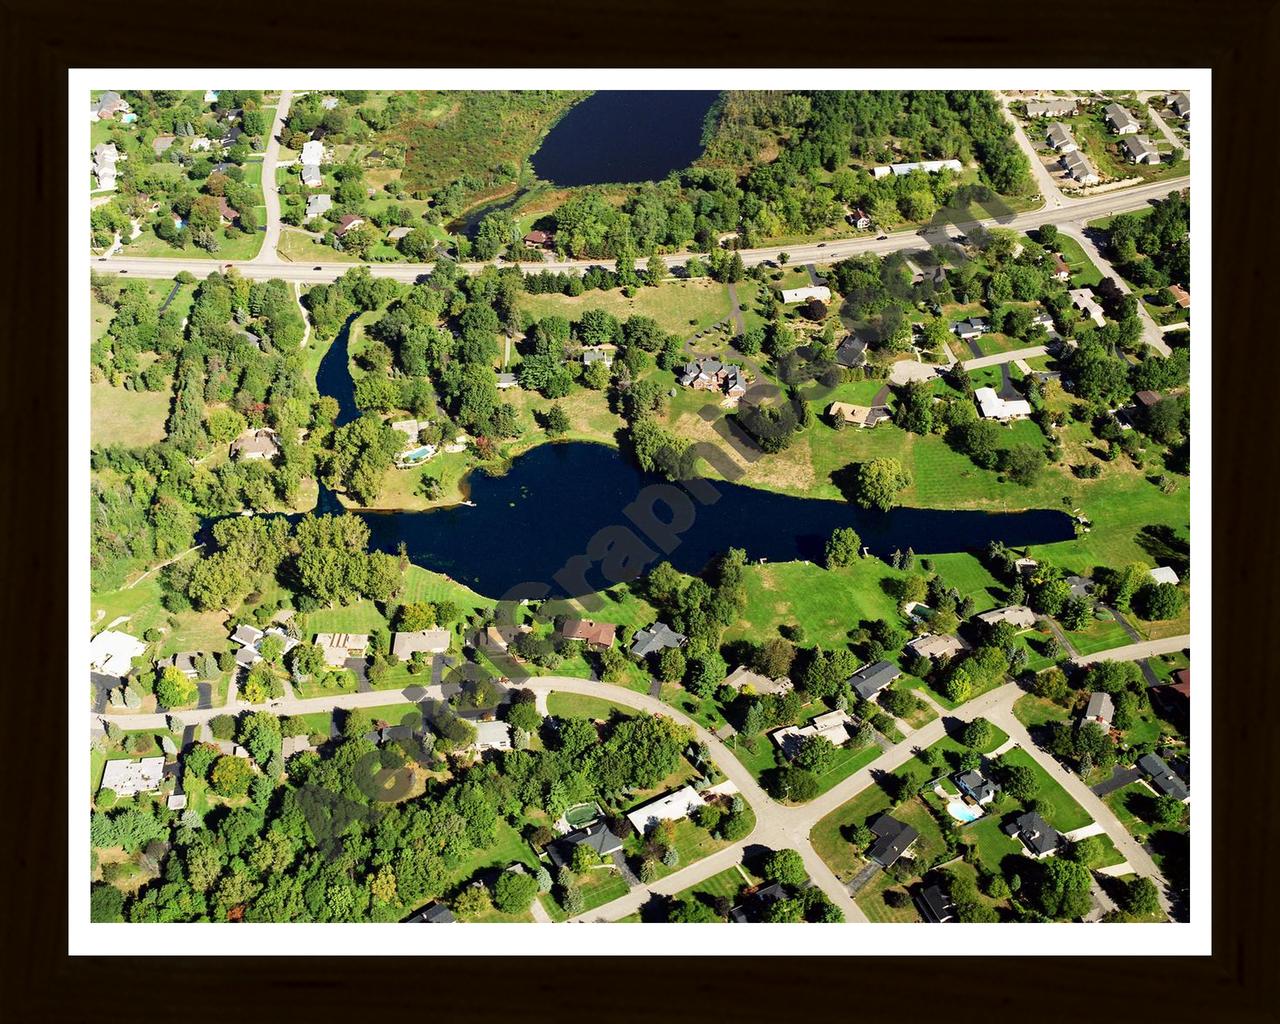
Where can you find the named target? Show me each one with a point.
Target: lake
(624, 136)
(528, 522)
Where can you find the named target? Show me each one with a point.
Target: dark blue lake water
(529, 522)
(624, 136)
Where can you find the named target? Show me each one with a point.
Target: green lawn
(508, 848)
(131, 418)
(1084, 273)
(599, 886)
(1033, 711)
(727, 883)
(679, 307)
(1060, 809)
(576, 705)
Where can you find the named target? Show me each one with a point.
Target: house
(930, 646)
(348, 222)
(597, 354)
(111, 652)
(655, 638)
(161, 143)
(228, 213)
(755, 905)
(1180, 104)
(200, 144)
(597, 634)
(429, 641)
(250, 640)
(893, 839)
(1180, 683)
(742, 677)
(338, 647)
(256, 444)
(432, 913)
(506, 381)
(493, 736)
(1121, 121)
(852, 351)
(318, 204)
(1081, 586)
(673, 806)
(184, 663)
(312, 153)
(231, 136)
(311, 175)
(1025, 566)
(859, 219)
(329, 103)
(410, 428)
(1164, 574)
(935, 905)
(820, 292)
(129, 778)
(596, 836)
(1018, 615)
(395, 234)
(935, 273)
(1060, 139)
(1083, 300)
(1180, 295)
(539, 239)
(1163, 778)
(1139, 150)
(290, 745)
(1147, 398)
(1051, 108)
(858, 415)
(993, 407)
(1061, 272)
(832, 726)
(105, 158)
(1037, 835)
(1100, 710)
(977, 786)
(871, 679)
(109, 104)
(928, 166)
(1079, 168)
(974, 327)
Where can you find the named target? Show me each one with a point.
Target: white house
(493, 736)
(129, 778)
(105, 157)
(1084, 301)
(112, 652)
(1018, 615)
(1051, 108)
(974, 327)
(319, 204)
(338, 647)
(820, 292)
(1121, 121)
(313, 152)
(993, 407)
(673, 806)
(928, 166)
(1164, 574)
(860, 219)
(1078, 168)
(211, 96)
(929, 645)
(1059, 138)
(429, 641)
(1139, 150)
(311, 176)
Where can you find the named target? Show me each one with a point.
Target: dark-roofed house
(348, 222)
(893, 839)
(871, 679)
(756, 904)
(598, 634)
(539, 239)
(597, 836)
(432, 913)
(1121, 121)
(656, 638)
(1039, 837)
(977, 785)
(935, 906)
(852, 351)
(1163, 778)
(1101, 709)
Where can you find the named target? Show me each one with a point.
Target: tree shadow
(1163, 544)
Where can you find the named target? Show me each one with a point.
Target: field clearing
(131, 418)
(679, 307)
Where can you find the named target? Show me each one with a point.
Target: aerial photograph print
(601, 505)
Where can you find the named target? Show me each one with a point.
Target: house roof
(893, 839)
(817, 291)
(429, 641)
(1039, 836)
(128, 778)
(493, 735)
(1164, 574)
(111, 652)
(1100, 707)
(976, 784)
(1163, 777)
(656, 638)
(1148, 398)
(432, 913)
(349, 221)
(601, 634)
(246, 635)
(935, 905)
(597, 836)
(1119, 116)
(1017, 614)
(993, 407)
(743, 676)
(1180, 295)
(1181, 682)
(852, 351)
(871, 679)
(538, 237)
(1139, 147)
(1059, 135)
(753, 907)
(673, 806)
(256, 442)
(318, 204)
(934, 646)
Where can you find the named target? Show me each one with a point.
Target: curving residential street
(270, 187)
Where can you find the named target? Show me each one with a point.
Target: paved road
(1136, 652)
(268, 265)
(1151, 334)
(1129, 848)
(1054, 199)
(267, 255)
(1166, 131)
(1004, 357)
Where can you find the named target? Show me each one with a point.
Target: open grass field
(578, 705)
(599, 886)
(1084, 273)
(1060, 810)
(132, 418)
(679, 307)
(728, 883)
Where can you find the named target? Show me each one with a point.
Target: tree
(174, 689)
(472, 902)
(1022, 463)
(978, 734)
(795, 785)
(514, 892)
(1020, 782)
(815, 754)
(1064, 890)
(1158, 601)
(1088, 851)
(671, 664)
(555, 421)
(106, 904)
(1140, 897)
(878, 482)
(231, 776)
(1168, 811)
(655, 270)
(843, 548)
(785, 867)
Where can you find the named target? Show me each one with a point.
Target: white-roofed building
(430, 641)
(319, 204)
(1084, 301)
(493, 736)
(1018, 615)
(112, 652)
(820, 292)
(1164, 574)
(129, 778)
(673, 806)
(338, 647)
(313, 152)
(928, 166)
(993, 407)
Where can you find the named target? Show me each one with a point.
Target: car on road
(317, 268)
(124, 271)
(102, 259)
(881, 238)
(822, 245)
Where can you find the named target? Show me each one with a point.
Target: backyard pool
(412, 458)
(962, 812)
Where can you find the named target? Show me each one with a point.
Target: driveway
(1120, 778)
(1054, 199)
(1151, 334)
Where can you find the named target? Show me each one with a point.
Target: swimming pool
(412, 458)
(962, 812)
